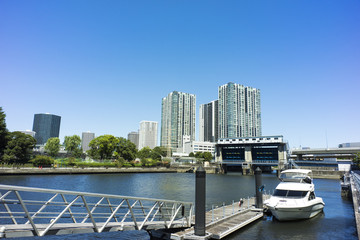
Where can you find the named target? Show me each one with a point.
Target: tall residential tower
(208, 123)
(178, 116)
(148, 134)
(86, 138)
(239, 111)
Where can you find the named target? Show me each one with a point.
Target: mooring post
(200, 197)
(259, 188)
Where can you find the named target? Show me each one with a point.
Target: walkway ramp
(26, 211)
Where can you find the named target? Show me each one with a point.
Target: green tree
(207, 156)
(356, 160)
(126, 149)
(158, 153)
(19, 148)
(191, 154)
(199, 155)
(103, 147)
(44, 161)
(53, 146)
(4, 133)
(73, 145)
(144, 153)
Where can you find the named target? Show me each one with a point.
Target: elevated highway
(321, 153)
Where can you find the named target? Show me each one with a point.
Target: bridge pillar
(248, 156)
(281, 156)
(258, 188)
(200, 201)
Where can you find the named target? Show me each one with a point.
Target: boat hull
(296, 213)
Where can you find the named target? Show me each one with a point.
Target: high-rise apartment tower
(46, 126)
(148, 134)
(178, 117)
(208, 122)
(86, 138)
(239, 111)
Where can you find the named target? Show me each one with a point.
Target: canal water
(336, 222)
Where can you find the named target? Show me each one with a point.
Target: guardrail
(45, 209)
(356, 178)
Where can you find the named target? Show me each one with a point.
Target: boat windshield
(294, 177)
(290, 193)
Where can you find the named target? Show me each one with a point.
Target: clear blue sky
(104, 66)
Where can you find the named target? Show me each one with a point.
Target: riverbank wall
(328, 174)
(59, 171)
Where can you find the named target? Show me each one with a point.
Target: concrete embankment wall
(329, 174)
(50, 171)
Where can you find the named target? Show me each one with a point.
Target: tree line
(17, 148)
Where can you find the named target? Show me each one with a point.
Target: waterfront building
(134, 138)
(46, 126)
(86, 138)
(252, 152)
(239, 111)
(178, 117)
(208, 122)
(29, 132)
(199, 146)
(148, 134)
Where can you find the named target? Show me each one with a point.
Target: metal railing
(356, 179)
(222, 210)
(42, 211)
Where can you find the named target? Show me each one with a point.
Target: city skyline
(107, 73)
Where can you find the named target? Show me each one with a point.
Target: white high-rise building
(178, 117)
(239, 111)
(148, 134)
(86, 138)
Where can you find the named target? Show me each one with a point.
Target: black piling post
(200, 197)
(259, 188)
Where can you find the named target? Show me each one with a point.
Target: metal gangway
(27, 211)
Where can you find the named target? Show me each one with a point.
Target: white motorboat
(294, 198)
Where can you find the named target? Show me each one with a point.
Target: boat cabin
(296, 175)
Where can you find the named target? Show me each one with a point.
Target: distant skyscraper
(239, 111)
(148, 134)
(134, 138)
(208, 131)
(178, 117)
(86, 139)
(46, 126)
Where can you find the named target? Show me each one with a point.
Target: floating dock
(224, 220)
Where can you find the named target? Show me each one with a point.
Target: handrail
(32, 189)
(54, 207)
